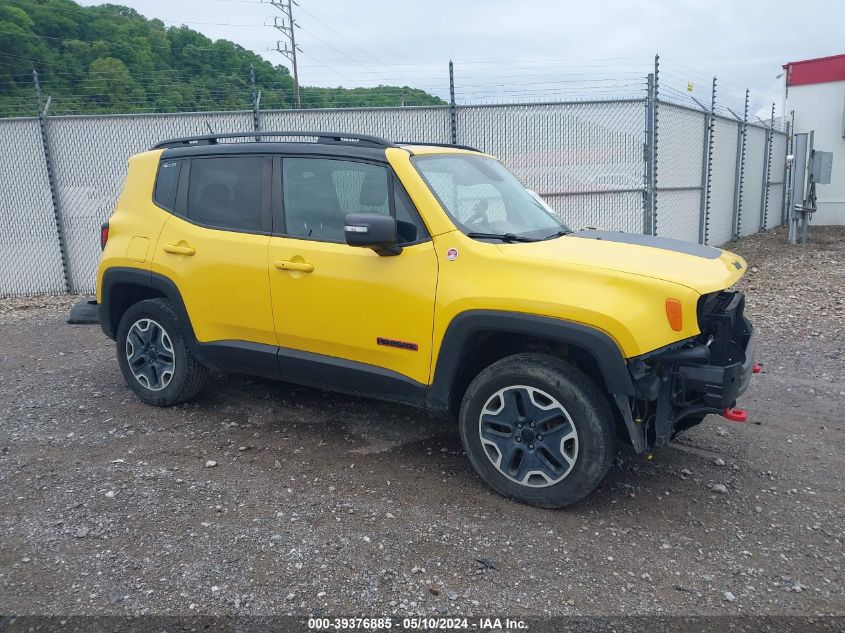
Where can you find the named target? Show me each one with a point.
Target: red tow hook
(757, 368)
(735, 414)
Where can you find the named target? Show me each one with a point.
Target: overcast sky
(534, 49)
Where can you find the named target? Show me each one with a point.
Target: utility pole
(287, 27)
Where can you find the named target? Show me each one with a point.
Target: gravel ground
(267, 498)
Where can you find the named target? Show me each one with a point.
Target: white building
(815, 93)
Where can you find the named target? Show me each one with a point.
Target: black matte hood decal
(664, 243)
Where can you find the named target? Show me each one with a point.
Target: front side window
(226, 192)
(482, 197)
(409, 226)
(319, 193)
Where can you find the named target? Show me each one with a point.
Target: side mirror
(372, 230)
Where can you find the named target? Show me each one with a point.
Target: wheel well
(123, 296)
(485, 348)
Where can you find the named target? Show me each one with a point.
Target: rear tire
(538, 430)
(154, 357)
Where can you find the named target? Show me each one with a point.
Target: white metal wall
(819, 107)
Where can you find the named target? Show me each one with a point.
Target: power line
(580, 63)
(341, 35)
(319, 39)
(347, 20)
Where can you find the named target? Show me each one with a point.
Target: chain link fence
(425, 125)
(89, 164)
(679, 181)
(755, 158)
(30, 257)
(586, 158)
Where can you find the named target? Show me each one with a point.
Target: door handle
(176, 249)
(303, 267)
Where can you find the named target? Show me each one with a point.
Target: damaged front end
(676, 387)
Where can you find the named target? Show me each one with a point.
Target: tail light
(674, 314)
(104, 235)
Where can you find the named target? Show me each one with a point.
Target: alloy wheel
(528, 436)
(149, 353)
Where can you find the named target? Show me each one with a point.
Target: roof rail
(428, 144)
(322, 137)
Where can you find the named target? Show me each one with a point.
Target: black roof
(324, 143)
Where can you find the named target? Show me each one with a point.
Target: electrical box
(821, 167)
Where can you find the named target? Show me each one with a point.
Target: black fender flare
(144, 279)
(603, 349)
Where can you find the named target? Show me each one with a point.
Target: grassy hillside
(109, 58)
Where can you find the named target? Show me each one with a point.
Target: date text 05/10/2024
(417, 623)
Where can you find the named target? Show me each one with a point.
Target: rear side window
(166, 182)
(226, 192)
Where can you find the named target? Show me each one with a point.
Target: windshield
(482, 197)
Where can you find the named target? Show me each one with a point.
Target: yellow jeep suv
(425, 275)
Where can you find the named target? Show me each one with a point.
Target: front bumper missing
(718, 386)
(676, 388)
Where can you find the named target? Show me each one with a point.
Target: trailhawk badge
(452, 254)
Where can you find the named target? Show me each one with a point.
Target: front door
(345, 316)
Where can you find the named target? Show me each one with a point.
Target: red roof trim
(815, 71)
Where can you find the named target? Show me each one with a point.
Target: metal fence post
(767, 171)
(655, 128)
(648, 159)
(740, 169)
(51, 180)
(787, 176)
(707, 168)
(453, 115)
(256, 100)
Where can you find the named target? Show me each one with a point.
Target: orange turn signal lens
(674, 314)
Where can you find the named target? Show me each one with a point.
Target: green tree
(111, 85)
(109, 58)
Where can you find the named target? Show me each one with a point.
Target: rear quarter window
(166, 183)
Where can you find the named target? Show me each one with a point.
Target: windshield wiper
(556, 234)
(505, 237)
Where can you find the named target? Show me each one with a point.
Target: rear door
(214, 247)
(356, 313)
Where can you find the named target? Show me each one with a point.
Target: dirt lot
(330, 504)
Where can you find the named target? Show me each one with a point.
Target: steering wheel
(479, 213)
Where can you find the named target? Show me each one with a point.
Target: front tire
(154, 356)
(537, 430)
